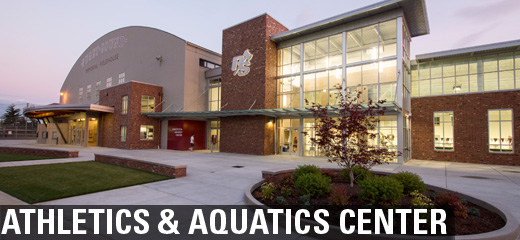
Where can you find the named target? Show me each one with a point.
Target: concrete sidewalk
(214, 179)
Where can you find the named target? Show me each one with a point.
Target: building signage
(241, 64)
(177, 132)
(113, 43)
(103, 63)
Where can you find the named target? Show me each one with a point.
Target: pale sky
(41, 40)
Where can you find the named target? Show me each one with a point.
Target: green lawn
(39, 183)
(7, 157)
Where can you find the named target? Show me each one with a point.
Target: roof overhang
(493, 48)
(55, 110)
(276, 113)
(414, 12)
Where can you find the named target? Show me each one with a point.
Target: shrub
(281, 200)
(287, 181)
(451, 199)
(360, 173)
(338, 195)
(312, 184)
(305, 169)
(411, 182)
(381, 190)
(419, 199)
(286, 191)
(305, 199)
(474, 211)
(267, 190)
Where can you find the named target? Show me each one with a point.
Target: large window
(98, 88)
(500, 130)
(322, 87)
(147, 104)
(443, 131)
(146, 132)
(467, 75)
(121, 78)
(314, 73)
(80, 93)
(214, 95)
(124, 105)
(123, 133)
(289, 92)
(89, 92)
(289, 60)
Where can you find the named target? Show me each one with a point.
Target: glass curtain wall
(468, 75)
(312, 72)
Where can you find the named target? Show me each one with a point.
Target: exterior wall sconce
(457, 88)
(159, 58)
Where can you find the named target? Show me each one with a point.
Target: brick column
(256, 90)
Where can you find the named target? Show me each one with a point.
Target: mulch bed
(487, 221)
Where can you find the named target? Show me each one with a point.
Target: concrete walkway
(213, 180)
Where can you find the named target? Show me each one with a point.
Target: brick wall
(110, 124)
(470, 127)
(40, 152)
(246, 134)
(162, 169)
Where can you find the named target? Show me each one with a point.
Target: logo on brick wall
(241, 64)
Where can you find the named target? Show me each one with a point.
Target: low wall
(162, 169)
(40, 152)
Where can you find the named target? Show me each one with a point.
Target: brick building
(459, 105)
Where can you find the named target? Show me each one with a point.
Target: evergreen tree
(12, 115)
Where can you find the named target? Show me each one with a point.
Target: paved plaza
(212, 178)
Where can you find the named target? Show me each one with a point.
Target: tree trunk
(351, 175)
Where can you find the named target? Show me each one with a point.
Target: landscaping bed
(335, 194)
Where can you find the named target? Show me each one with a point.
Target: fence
(18, 131)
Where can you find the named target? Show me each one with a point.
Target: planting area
(8, 157)
(39, 183)
(308, 187)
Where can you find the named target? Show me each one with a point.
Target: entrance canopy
(275, 112)
(56, 110)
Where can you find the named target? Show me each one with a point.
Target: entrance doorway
(77, 132)
(92, 131)
(290, 141)
(214, 135)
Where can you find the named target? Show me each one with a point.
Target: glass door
(290, 138)
(92, 131)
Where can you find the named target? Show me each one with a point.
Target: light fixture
(457, 87)
(61, 94)
(159, 58)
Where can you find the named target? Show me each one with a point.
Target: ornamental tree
(347, 136)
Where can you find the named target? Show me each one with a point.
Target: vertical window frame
(443, 122)
(124, 131)
(124, 104)
(500, 121)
